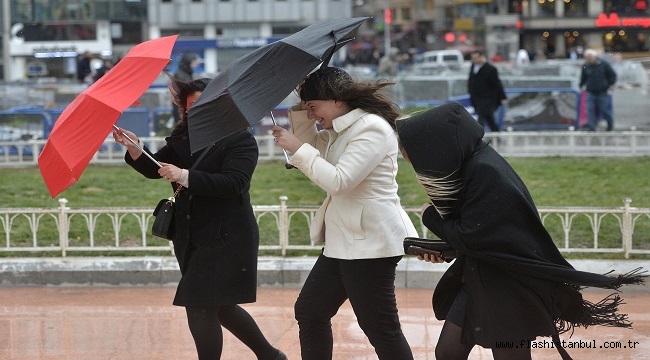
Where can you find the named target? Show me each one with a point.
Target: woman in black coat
(510, 283)
(217, 237)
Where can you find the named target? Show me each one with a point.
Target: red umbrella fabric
(84, 124)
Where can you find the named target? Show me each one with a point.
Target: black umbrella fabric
(254, 84)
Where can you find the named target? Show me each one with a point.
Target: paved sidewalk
(125, 323)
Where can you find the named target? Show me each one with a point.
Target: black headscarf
(438, 142)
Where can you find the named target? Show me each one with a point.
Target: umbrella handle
(138, 146)
(286, 157)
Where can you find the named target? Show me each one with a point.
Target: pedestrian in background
(83, 67)
(361, 222)
(485, 90)
(184, 73)
(106, 65)
(217, 238)
(389, 64)
(598, 79)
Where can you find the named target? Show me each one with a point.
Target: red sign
(388, 16)
(612, 20)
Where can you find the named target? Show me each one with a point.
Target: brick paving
(94, 323)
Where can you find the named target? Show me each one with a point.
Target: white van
(438, 60)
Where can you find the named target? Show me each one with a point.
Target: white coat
(356, 164)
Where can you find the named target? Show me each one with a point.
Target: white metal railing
(509, 144)
(286, 228)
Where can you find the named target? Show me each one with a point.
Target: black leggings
(450, 346)
(369, 284)
(205, 326)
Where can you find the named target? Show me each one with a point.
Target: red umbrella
(84, 125)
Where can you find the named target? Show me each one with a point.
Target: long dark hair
(335, 84)
(180, 91)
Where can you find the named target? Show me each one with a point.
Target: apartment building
(44, 37)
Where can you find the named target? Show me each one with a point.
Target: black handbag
(420, 246)
(164, 225)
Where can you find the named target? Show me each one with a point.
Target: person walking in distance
(184, 73)
(83, 67)
(485, 90)
(598, 79)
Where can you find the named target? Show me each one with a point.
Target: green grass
(556, 181)
(551, 181)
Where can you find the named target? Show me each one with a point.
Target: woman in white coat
(361, 222)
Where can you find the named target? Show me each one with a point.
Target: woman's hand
(431, 258)
(425, 207)
(286, 139)
(170, 172)
(120, 137)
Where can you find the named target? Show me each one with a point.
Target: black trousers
(486, 116)
(369, 284)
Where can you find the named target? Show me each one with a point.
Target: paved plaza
(102, 323)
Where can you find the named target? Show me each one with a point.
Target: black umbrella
(254, 84)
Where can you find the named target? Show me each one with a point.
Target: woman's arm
(236, 171)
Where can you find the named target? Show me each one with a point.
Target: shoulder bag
(164, 224)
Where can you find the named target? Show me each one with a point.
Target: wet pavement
(66, 323)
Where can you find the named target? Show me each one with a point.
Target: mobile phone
(416, 250)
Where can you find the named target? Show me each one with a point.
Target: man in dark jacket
(598, 79)
(485, 90)
(83, 67)
(184, 73)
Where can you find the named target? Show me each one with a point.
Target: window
(59, 32)
(628, 7)
(406, 13)
(575, 8)
(546, 8)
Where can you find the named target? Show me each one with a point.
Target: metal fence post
(627, 228)
(63, 226)
(284, 225)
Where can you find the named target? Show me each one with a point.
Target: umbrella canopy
(254, 84)
(84, 124)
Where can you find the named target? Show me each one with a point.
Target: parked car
(430, 61)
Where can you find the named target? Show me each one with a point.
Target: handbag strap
(180, 187)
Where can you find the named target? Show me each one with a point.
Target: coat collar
(343, 122)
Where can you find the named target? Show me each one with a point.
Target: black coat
(597, 78)
(519, 284)
(217, 237)
(485, 88)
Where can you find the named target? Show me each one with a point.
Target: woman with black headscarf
(510, 282)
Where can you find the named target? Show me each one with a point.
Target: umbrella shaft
(139, 147)
(286, 157)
